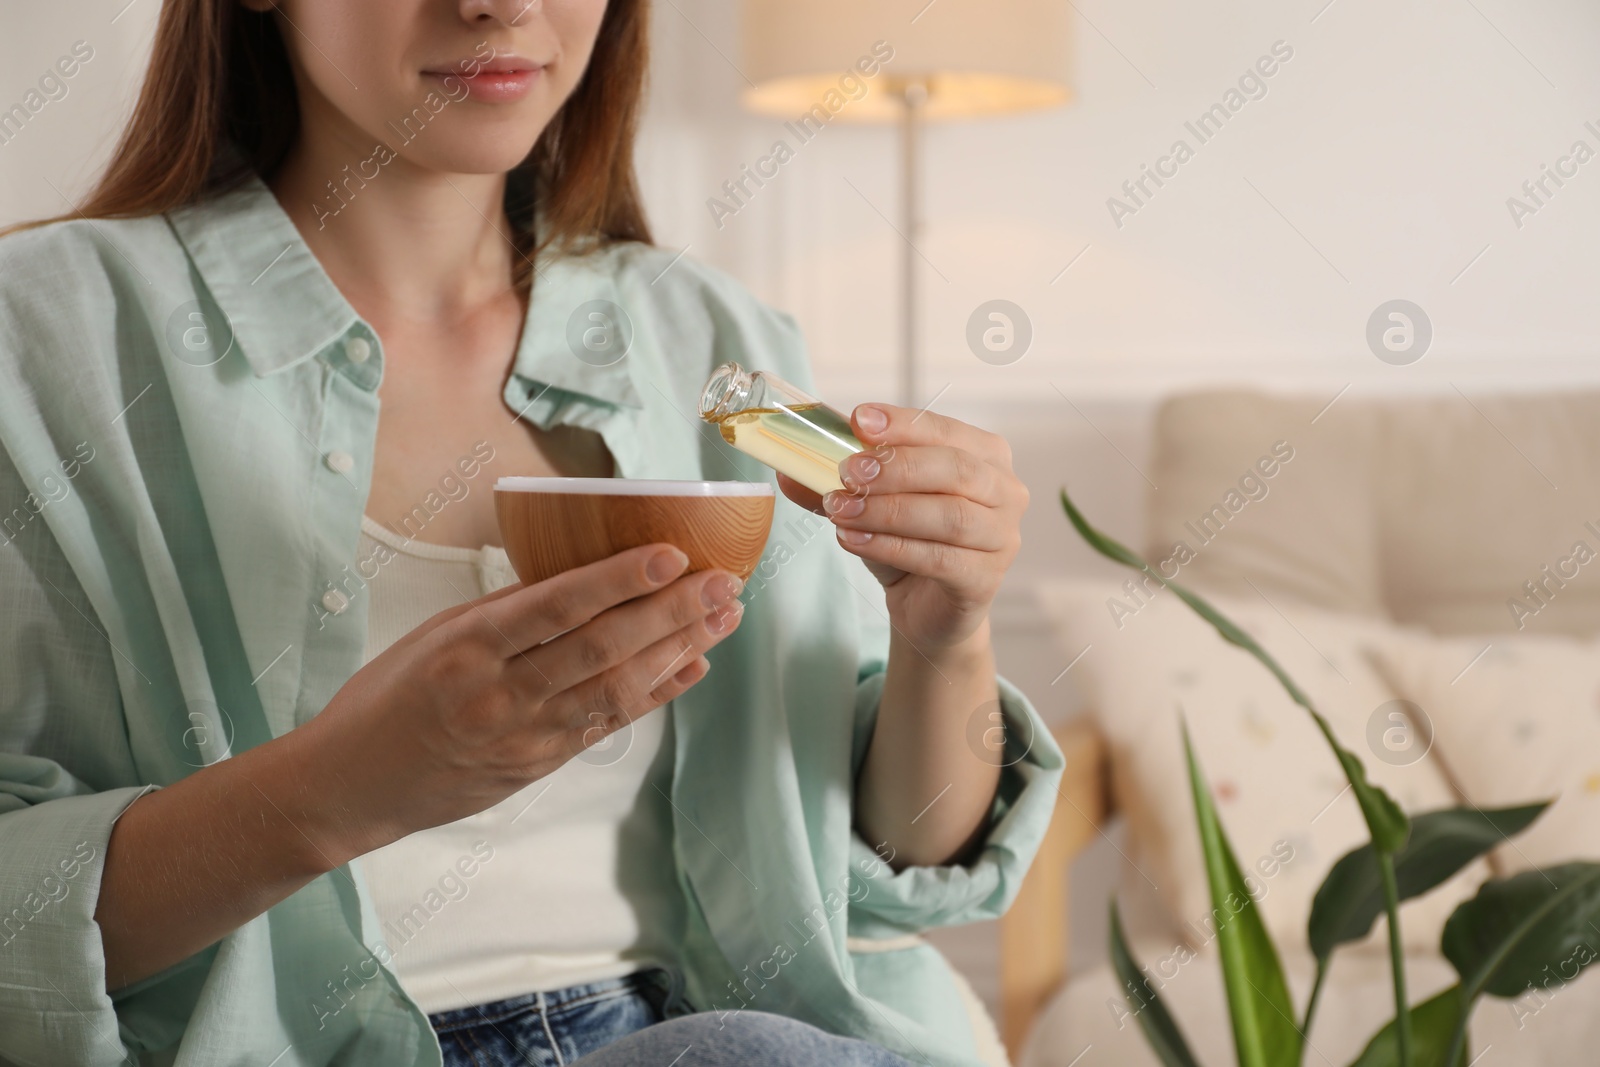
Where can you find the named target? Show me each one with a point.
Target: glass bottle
(765, 417)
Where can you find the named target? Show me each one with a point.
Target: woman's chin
(488, 154)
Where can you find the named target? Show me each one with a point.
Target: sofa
(1428, 569)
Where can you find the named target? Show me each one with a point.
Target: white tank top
(566, 882)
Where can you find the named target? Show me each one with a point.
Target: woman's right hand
(493, 694)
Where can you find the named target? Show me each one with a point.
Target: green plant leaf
(1433, 1023)
(1264, 1033)
(1158, 1025)
(1526, 930)
(1385, 821)
(1532, 929)
(1441, 843)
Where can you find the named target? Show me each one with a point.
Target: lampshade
(975, 57)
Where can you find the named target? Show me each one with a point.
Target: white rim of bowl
(630, 487)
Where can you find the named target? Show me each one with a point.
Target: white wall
(55, 157)
(1390, 142)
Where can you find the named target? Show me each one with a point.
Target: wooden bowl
(551, 525)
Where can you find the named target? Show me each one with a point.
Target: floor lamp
(947, 59)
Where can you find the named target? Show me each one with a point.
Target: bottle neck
(727, 390)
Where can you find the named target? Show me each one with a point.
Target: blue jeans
(635, 1022)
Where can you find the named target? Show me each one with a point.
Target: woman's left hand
(934, 510)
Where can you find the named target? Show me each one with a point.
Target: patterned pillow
(1148, 663)
(1515, 719)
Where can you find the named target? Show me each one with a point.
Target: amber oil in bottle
(765, 417)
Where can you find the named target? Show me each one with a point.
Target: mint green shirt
(176, 528)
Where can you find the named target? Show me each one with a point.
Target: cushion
(1433, 511)
(1148, 663)
(1261, 488)
(1516, 723)
(1480, 494)
(1540, 1030)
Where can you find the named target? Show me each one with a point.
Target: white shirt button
(358, 349)
(340, 462)
(335, 601)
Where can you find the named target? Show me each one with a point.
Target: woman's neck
(400, 242)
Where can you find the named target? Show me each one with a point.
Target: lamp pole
(913, 96)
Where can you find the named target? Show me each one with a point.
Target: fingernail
(862, 468)
(855, 537)
(718, 591)
(666, 565)
(871, 419)
(725, 618)
(686, 675)
(843, 505)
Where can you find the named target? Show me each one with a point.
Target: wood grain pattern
(547, 533)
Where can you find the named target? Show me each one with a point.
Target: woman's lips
(493, 86)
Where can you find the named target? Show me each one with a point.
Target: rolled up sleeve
(54, 1008)
(888, 903)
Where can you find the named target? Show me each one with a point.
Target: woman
(279, 725)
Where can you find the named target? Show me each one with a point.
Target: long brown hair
(219, 104)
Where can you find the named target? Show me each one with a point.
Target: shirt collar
(280, 304)
(579, 335)
(284, 309)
